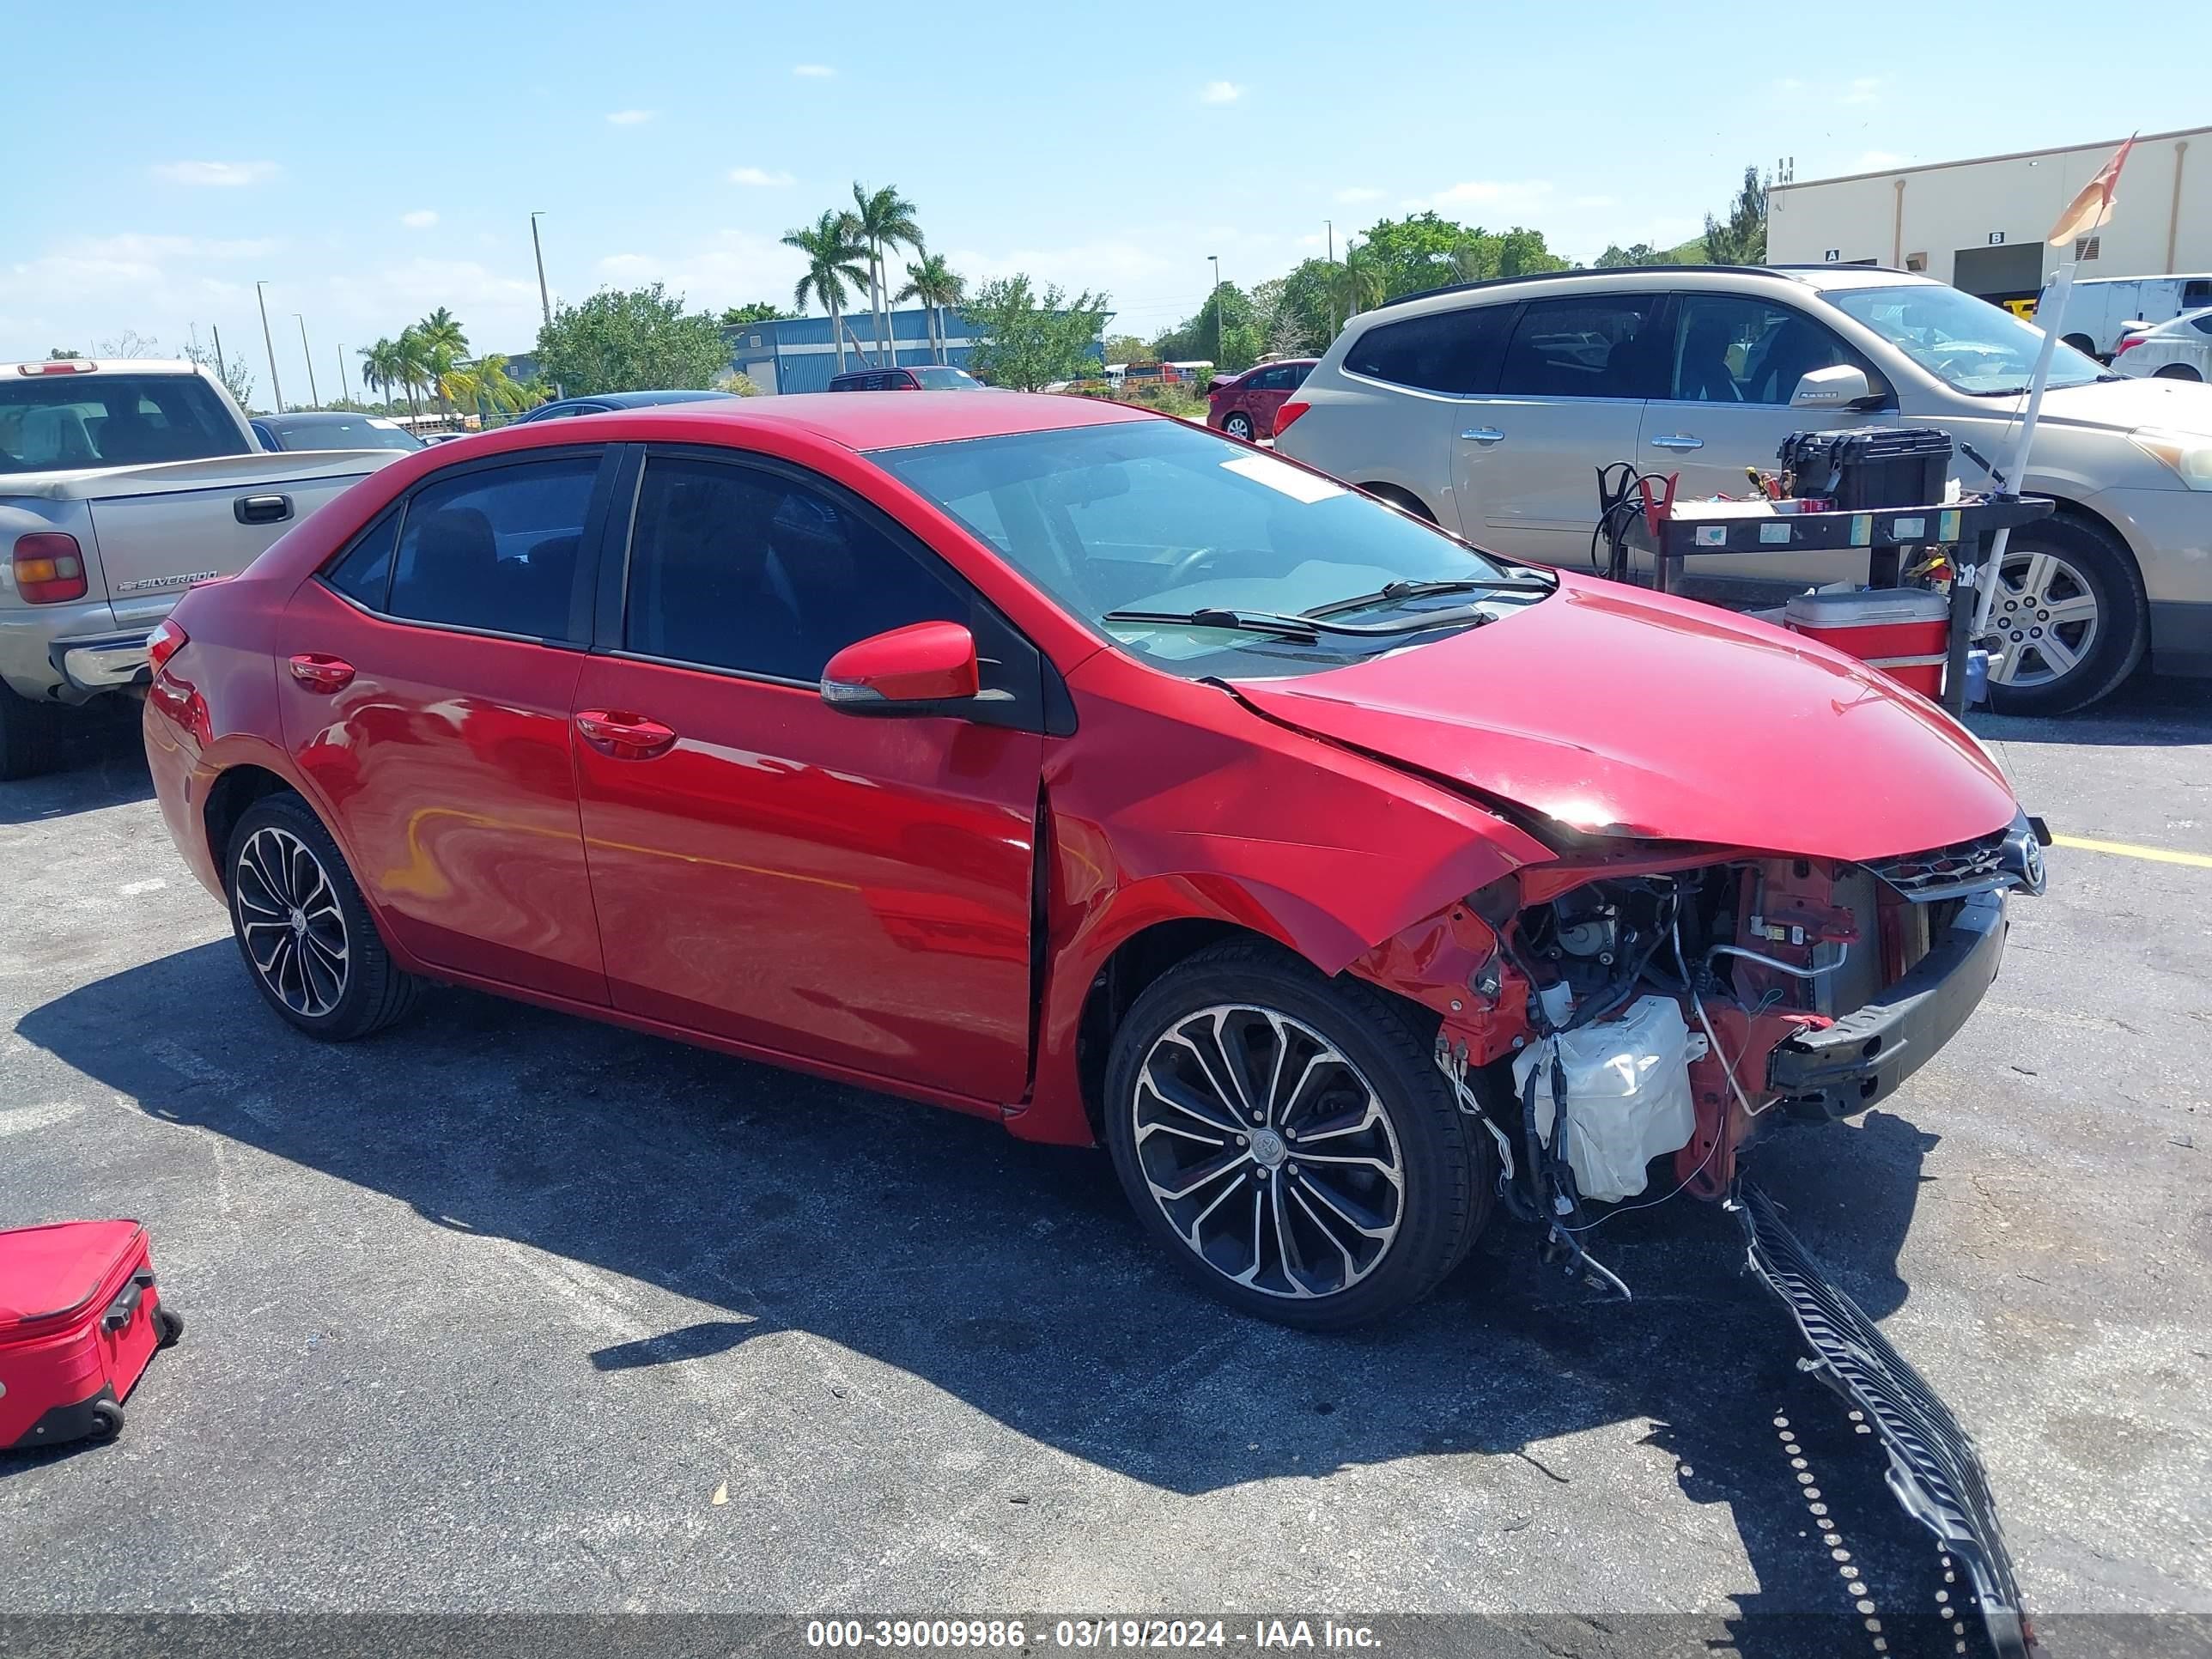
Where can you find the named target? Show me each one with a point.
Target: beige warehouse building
(1979, 225)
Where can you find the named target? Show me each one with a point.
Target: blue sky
(371, 162)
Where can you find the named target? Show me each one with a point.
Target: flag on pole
(2093, 208)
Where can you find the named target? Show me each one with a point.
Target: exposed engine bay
(1626, 1026)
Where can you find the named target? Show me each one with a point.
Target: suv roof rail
(1590, 270)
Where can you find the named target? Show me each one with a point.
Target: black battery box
(1868, 467)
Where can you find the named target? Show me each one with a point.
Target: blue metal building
(797, 354)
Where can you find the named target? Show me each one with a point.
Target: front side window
(1155, 517)
(1452, 351)
(1599, 347)
(496, 548)
(741, 567)
(1727, 348)
(1968, 344)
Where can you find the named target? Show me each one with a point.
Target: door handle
(1677, 440)
(1483, 434)
(622, 735)
(320, 673)
(261, 509)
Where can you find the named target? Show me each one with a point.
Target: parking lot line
(2128, 850)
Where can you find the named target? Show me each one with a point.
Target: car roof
(645, 399)
(873, 419)
(318, 417)
(1807, 276)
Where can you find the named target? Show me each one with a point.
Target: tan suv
(1489, 408)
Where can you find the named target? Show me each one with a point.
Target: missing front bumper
(1934, 1469)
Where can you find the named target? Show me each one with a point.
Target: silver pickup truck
(121, 485)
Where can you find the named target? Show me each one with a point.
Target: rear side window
(1583, 348)
(737, 567)
(1453, 351)
(496, 548)
(54, 423)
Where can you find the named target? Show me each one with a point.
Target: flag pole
(2051, 307)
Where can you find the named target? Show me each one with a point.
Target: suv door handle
(261, 509)
(624, 735)
(1677, 440)
(320, 673)
(1483, 434)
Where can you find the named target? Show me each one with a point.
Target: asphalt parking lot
(509, 1312)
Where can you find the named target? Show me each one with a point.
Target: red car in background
(1069, 765)
(1244, 406)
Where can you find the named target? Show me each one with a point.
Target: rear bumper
(1864, 1055)
(102, 662)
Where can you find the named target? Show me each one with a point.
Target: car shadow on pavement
(1014, 1277)
(2146, 712)
(102, 764)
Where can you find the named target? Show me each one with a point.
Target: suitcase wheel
(106, 1419)
(168, 1326)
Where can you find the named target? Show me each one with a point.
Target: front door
(425, 680)
(848, 890)
(1569, 398)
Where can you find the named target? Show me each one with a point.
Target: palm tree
(833, 270)
(882, 220)
(1355, 284)
(384, 367)
(413, 360)
(445, 348)
(932, 282)
(486, 385)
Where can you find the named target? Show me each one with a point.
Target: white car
(1489, 407)
(2178, 350)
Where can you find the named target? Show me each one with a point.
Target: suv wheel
(304, 928)
(2069, 621)
(1291, 1140)
(1238, 426)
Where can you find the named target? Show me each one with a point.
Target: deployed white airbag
(1627, 1094)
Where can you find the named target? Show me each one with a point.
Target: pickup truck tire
(28, 738)
(309, 943)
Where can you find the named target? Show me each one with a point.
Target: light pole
(345, 390)
(1216, 259)
(269, 345)
(545, 299)
(314, 396)
(1330, 225)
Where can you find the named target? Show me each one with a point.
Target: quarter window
(1584, 348)
(363, 571)
(1453, 351)
(496, 549)
(740, 568)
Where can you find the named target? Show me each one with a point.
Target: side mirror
(908, 670)
(1843, 387)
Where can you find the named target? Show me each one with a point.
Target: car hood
(1630, 713)
(2176, 405)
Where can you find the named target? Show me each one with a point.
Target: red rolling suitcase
(79, 1319)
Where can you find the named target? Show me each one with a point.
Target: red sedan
(1244, 406)
(1074, 767)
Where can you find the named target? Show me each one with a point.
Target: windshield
(1972, 345)
(363, 432)
(58, 422)
(947, 379)
(1164, 519)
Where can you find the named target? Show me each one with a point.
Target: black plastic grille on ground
(1934, 1469)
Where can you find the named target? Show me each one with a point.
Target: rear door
(1569, 398)
(425, 679)
(849, 890)
(1731, 363)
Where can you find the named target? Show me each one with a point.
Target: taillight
(2128, 343)
(1291, 409)
(164, 643)
(49, 567)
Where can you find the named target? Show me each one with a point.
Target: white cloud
(1493, 193)
(420, 219)
(813, 71)
(729, 268)
(1220, 91)
(1865, 89)
(228, 174)
(631, 118)
(1353, 195)
(761, 177)
(1878, 160)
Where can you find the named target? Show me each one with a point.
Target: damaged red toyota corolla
(1074, 767)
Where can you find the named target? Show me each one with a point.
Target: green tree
(1227, 331)
(639, 339)
(1742, 240)
(1636, 253)
(1425, 250)
(1126, 348)
(1358, 281)
(486, 387)
(832, 270)
(757, 311)
(231, 371)
(64, 354)
(881, 220)
(934, 285)
(442, 346)
(1027, 340)
(385, 366)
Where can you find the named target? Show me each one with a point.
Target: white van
(2100, 309)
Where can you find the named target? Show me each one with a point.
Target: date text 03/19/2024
(982, 1635)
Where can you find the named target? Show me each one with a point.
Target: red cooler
(79, 1319)
(1903, 631)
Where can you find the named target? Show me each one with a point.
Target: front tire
(304, 929)
(2069, 621)
(1291, 1140)
(2177, 372)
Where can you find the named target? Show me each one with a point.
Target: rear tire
(1394, 1188)
(1239, 427)
(2176, 372)
(29, 737)
(309, 943)
(2066, 559)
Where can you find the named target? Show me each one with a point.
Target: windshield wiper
(1307, 627)
(1411, 590)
